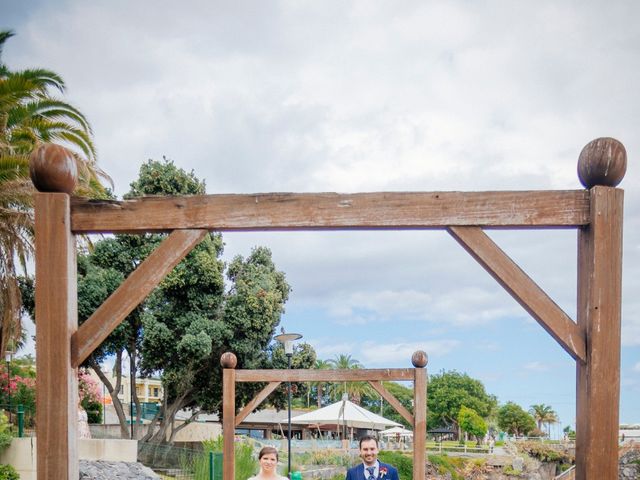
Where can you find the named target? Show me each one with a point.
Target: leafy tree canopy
(404, 395)
(513, 419)
(193, 316)
(451, 390)
(472, 423)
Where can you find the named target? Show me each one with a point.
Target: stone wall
(629, 462)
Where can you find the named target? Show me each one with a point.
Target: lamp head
(287, 340)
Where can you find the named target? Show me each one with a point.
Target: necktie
(371, 470)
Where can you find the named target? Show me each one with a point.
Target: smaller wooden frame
(230, 376)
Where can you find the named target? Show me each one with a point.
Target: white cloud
(466, 306)
(374, 354)
(362, 96)
(537, 367)
(636, 367)
(378, 353)
(326, 350)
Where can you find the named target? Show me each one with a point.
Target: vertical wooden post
(57, 321)
(599, 300)
(228, 361)
(419, 360)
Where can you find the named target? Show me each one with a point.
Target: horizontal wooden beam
(393, 401)
(328, 211)
(131, 292)
(523, 289)
(300, 375)
(257, 400)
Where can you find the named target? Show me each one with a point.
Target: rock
(517, 464)
(629, 463)
(102, 470)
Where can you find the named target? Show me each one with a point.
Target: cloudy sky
(358, 96)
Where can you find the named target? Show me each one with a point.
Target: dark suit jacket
(357, 472)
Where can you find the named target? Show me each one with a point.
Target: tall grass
(245, 463)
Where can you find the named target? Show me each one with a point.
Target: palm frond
(49, 109)
(13, 167)
(4, 36)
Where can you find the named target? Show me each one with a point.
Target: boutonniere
(383, 472)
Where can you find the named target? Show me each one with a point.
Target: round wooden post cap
(602, 161)
(228, 360)
(419, 359)
(53, 169)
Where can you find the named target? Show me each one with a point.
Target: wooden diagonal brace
(132, 291)
(395, 403)
(257, 400)
(523, 289)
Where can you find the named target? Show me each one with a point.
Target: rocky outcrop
(629, 462)
(102, 470)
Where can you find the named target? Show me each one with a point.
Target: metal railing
(21, 420)
(181, 463)
(440, 447)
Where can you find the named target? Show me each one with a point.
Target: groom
(371, 468)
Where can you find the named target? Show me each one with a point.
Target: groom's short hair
(366, 438)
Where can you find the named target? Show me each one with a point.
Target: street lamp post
(132, 384)
(287, 340)
(8, 358)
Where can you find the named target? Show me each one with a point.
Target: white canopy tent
(396, 431)
(346, 413)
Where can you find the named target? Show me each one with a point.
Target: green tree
(304, 357)
(354, 390)
(472, 423)
(402, 393)
(29, 115)
(513, 419)
(191, 318)
(186, 333)
(543, 415)
(318, 387)
(449, 391)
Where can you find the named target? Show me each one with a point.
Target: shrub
(446, 464)
(5, 432)
(511, 472)
(90, 396)
(543, 452)
(7, 472)
(325, 457)
(402, 462)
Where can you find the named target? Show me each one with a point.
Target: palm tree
(354, 390)
(543, 415)
(29, 116)
(321, 365)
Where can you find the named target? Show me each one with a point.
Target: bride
(268, 458)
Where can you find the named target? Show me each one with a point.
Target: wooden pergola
(593, 340)
(417, 375)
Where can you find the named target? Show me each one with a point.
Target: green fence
(21, 419)
(181, 463)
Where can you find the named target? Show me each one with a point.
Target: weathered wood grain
(56, 319)
(420, 422)
(393, 401)
(326, 211)
(599, 315)
(256, 401)
(137, 286)
(523, 289)
(228, 423)
(299, 375)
